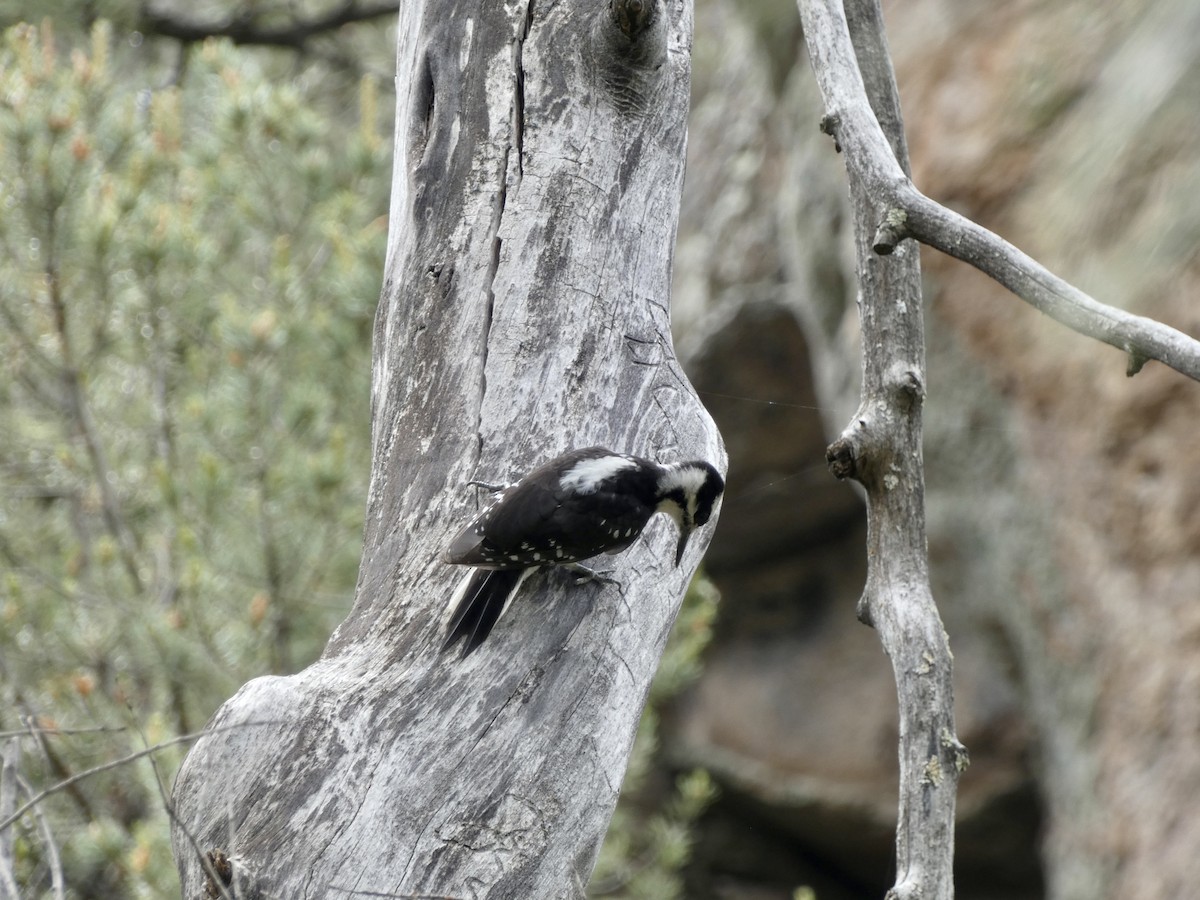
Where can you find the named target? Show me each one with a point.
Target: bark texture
(539, 163)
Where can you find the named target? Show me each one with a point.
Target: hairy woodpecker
(578, 505)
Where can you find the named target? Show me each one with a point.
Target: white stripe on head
(585, 476)
(687, 477)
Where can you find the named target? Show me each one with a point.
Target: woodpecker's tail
(479, 603)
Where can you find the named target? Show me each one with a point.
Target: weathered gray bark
(881, 449)
(539, 162)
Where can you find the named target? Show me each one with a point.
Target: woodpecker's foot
(489, 487)
(583, 575)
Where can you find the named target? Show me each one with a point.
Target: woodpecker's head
(688, 493)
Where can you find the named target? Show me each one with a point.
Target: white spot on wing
(587, 475)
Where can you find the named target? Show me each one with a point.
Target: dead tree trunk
(539, 162)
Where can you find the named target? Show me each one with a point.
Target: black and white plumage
(576, 506)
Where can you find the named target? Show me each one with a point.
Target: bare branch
(1139, 337)
(84, 423)
(244, 26)
(50, 846)
(10, 759)
(35, 729)
(909, 213)
(7, 881)
(881, 448)
(113, 764)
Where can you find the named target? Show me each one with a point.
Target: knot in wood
(954, 750)
(219, 865)
(841, 458)
(630, 43)
(633, 16)
(905, 385)
(830, 123)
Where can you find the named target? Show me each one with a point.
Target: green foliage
(650, 839)
(65, 11)
(188, 277)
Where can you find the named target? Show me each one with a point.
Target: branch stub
(1135, 362)
(841, 458)
(891, 231)
(830, 122)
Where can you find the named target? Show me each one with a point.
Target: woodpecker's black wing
(480, 545)
(495, 538)
(608, 519)
(582, 503)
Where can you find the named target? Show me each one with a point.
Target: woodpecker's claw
(488, 486)
(584, 575)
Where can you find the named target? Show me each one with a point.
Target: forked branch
(910, 214)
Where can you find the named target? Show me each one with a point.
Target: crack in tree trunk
(511, 158)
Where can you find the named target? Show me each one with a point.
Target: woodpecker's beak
(685, 532)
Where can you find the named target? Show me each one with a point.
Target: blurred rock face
(1064, 513)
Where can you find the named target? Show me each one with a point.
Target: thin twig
(243, 28)
(49, 755)
(169, 808)
(57, 882)
(34, 729)
(10, 760)
(84, 422)
(117, 763)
